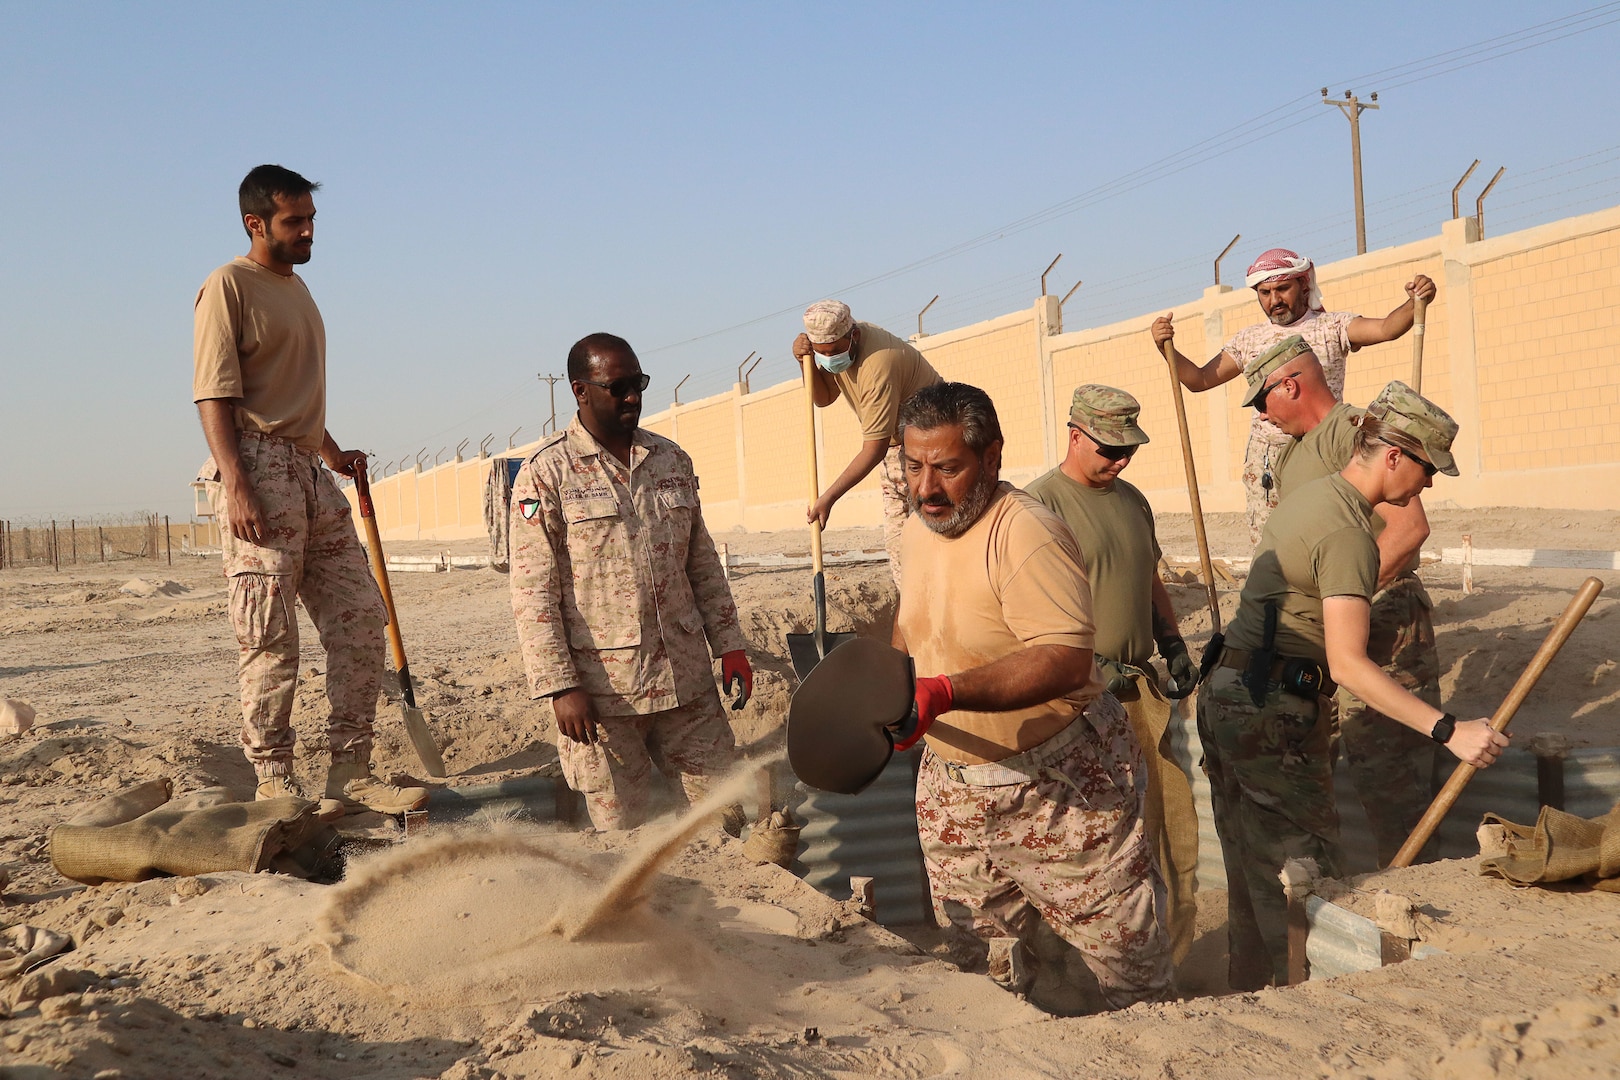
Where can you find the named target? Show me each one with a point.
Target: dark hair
(953, 403)
(257, 195)
(599, 344)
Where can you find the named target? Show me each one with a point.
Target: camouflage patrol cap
(1107, 415)
(1269, 361)
(1404, 409)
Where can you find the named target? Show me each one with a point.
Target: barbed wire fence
(104, 538)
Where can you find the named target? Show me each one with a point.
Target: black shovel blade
(837, 729)
(806, 655)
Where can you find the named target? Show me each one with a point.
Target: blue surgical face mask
(836, 363)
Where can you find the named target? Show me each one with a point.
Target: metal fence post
(56, 555)
(73, 533)
(101, 543)
(168, 544)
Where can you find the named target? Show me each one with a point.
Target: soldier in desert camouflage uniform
(286, 531)
(1301, 626)
(1030, 794)
(875, 372)
(1394, 769)
(620, 597)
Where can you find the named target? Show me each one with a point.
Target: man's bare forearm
(218, 416)
(1027, 677)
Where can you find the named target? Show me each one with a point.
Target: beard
(964, 513)
(292, 254)
(1285, 317)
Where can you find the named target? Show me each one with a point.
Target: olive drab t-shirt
(260, 340)
(1318, 543)
(1321, 451)
(886, 371)
(1114, 528)
(1013, 580)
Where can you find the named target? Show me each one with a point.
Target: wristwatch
(1444, 728)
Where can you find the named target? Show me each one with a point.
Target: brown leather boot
(358, 788)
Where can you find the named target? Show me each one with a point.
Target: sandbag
(21, 947)
(1559, 847)
(243, 836)
(126, 805)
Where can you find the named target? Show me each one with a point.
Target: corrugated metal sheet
(534, 798)
(873, 834)
(1340, 941)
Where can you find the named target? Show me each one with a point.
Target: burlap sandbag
(1171, 815)
(127, 805)
(166, 841)
(1560, 847)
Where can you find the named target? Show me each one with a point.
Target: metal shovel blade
(422, 741)
(807, 652)
(838, 736)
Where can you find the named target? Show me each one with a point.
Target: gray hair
(953, 403)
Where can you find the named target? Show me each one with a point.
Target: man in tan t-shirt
(1113, 525)
(260, 388)
(1030, 792)
(875, 372)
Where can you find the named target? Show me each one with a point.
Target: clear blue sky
(502, 179)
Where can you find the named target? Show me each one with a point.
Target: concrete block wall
(1522, 348)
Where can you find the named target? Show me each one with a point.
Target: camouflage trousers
(1170, 814)
(1395, 770)
(1053, 834)
(896, 508)
(690, 743)
(1260, 477)
(1271, 785)
(310, 552)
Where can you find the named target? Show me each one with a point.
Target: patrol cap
(1107, 414)
(826, 321)
(1404, 409)
(1273, 358)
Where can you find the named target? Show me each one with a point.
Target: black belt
(1238, 660)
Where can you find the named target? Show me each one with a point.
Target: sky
(500, 179)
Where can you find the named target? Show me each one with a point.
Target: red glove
(734, 668)
(934, 696)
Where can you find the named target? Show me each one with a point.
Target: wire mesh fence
(100, 539)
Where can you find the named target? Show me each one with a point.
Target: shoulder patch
(529, 508)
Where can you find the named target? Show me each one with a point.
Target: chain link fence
(104, 538)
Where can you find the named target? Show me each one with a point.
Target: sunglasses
(1108, 453)
(623, 388)
(1429, 468)
(1259, 402)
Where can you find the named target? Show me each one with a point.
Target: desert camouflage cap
(1107, 414)
(1269, 361)
(1404, 409)
(827, 320)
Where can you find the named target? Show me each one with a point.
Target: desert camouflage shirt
(616, 584)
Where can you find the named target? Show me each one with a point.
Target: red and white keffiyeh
(1279, 263)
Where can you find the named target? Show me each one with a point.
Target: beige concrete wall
(1523, 348)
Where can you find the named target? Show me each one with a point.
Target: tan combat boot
(282, 786)
(359, 789)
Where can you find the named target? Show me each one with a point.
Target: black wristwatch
(1444, 728)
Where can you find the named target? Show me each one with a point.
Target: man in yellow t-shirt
(875, 372)
(1030, 792)
(259, 383)
(1113, 524)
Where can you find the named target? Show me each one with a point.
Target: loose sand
(432, 959)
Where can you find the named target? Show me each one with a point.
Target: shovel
(808, 650)
(1212, 651)
(1420, 309)
(415, 723)
(840, 725)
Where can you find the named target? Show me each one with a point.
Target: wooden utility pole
(1352, 107)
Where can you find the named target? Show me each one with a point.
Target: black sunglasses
(1109, 453)
(1259, 402)
(1429, 468)
(622, 388)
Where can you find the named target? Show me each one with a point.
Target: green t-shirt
(1114, 528)
(1322, 451)
(1317, 543)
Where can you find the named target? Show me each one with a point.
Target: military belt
(1238, 660)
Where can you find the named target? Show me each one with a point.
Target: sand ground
(426, 961)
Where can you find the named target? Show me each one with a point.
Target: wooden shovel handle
(1420, 314)
(1464, 772)
(379, 567)
(815, 478)
(1192, 489)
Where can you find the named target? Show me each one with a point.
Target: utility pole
(1352, 108)
(551, 382)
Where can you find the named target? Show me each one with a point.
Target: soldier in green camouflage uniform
(1304, 612)
(1394, 769)
(620, 597)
